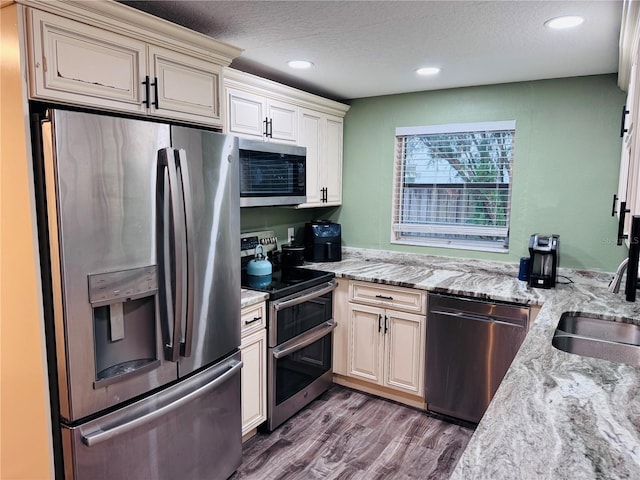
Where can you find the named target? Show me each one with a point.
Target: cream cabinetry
(627, 200)
(107, 56)
(253, 347)
(262, 109)
(321, 134)
(341, 332)
(255, 116)
(386, 336)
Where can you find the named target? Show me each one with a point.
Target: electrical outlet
(291, 234)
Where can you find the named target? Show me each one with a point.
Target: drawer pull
(384, 297)
(255, 319)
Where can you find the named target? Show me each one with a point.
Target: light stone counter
(250, 297)
(555, 415)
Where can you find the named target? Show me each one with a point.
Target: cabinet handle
(623, 130)
(623, 212)
(255, 319)
(147, 88)
(613, 207)
(155, 91)
(386, 326)
(323, 191)
(379, 323)
(268, 127)
(384, 297)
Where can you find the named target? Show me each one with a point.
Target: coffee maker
(543, 261)
(322, 241)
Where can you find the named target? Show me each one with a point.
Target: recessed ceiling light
(428, 70)
(300, 64)
(559, 23)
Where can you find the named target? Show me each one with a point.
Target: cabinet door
(405, 341)
(78, 64)
(332, 163)
(254, 380)
(187, 88)
(284, 121)
(246, 114)
(365, 347)
(341, 333)
(311, 138)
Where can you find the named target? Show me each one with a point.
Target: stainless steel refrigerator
(142, 222)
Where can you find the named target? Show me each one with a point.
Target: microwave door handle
(187, 259)
(168, 236)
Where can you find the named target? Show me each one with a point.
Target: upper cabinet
(254, 116)
(109, 56)
(261, 109)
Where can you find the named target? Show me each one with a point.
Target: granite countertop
(251, 297)
(556, 415)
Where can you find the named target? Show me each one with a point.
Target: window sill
(454, 244)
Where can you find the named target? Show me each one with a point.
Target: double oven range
(299, 330)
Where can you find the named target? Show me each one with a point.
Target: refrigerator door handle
(99, 436)
(171, 246)
(188, 287)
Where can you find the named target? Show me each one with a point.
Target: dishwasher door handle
(479, 318)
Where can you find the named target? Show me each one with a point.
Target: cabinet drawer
(398, 298)
(253, 318)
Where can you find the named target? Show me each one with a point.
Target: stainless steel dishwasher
(470, 346)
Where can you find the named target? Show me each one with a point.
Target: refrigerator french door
(143, 229)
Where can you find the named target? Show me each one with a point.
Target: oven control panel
(250, 240)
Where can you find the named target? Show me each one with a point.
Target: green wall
(279, 219)
(566, 163)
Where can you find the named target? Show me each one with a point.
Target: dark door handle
(386, 325)
(613, 207)
(266, 126)
(623, 213)
(155, 92)
(623, 130)
(379, 323)
(147, 89)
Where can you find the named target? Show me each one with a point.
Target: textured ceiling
(370, 48)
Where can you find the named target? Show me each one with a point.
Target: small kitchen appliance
(322, 241)
(543, 260)
(272, 174)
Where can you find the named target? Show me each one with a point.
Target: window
(452, 185)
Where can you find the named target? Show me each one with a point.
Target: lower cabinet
(380, 341)
(387, 347)
(253, 347)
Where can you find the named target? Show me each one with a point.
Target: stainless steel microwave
(272, 174)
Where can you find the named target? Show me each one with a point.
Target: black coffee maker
(322, 241)
(543, 261)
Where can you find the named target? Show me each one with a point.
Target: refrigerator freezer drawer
(190, 430)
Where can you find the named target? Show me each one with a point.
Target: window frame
(404, 237)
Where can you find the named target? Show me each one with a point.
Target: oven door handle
(280, 305)
(304, 340)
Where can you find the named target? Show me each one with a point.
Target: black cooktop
(285, 282)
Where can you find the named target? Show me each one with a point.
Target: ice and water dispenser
(124, 316)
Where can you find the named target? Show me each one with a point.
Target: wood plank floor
(346, 434)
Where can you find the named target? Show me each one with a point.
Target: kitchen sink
(596, 337)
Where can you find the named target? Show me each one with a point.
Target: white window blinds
(452, 185)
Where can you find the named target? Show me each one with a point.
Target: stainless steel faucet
(614, 285)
